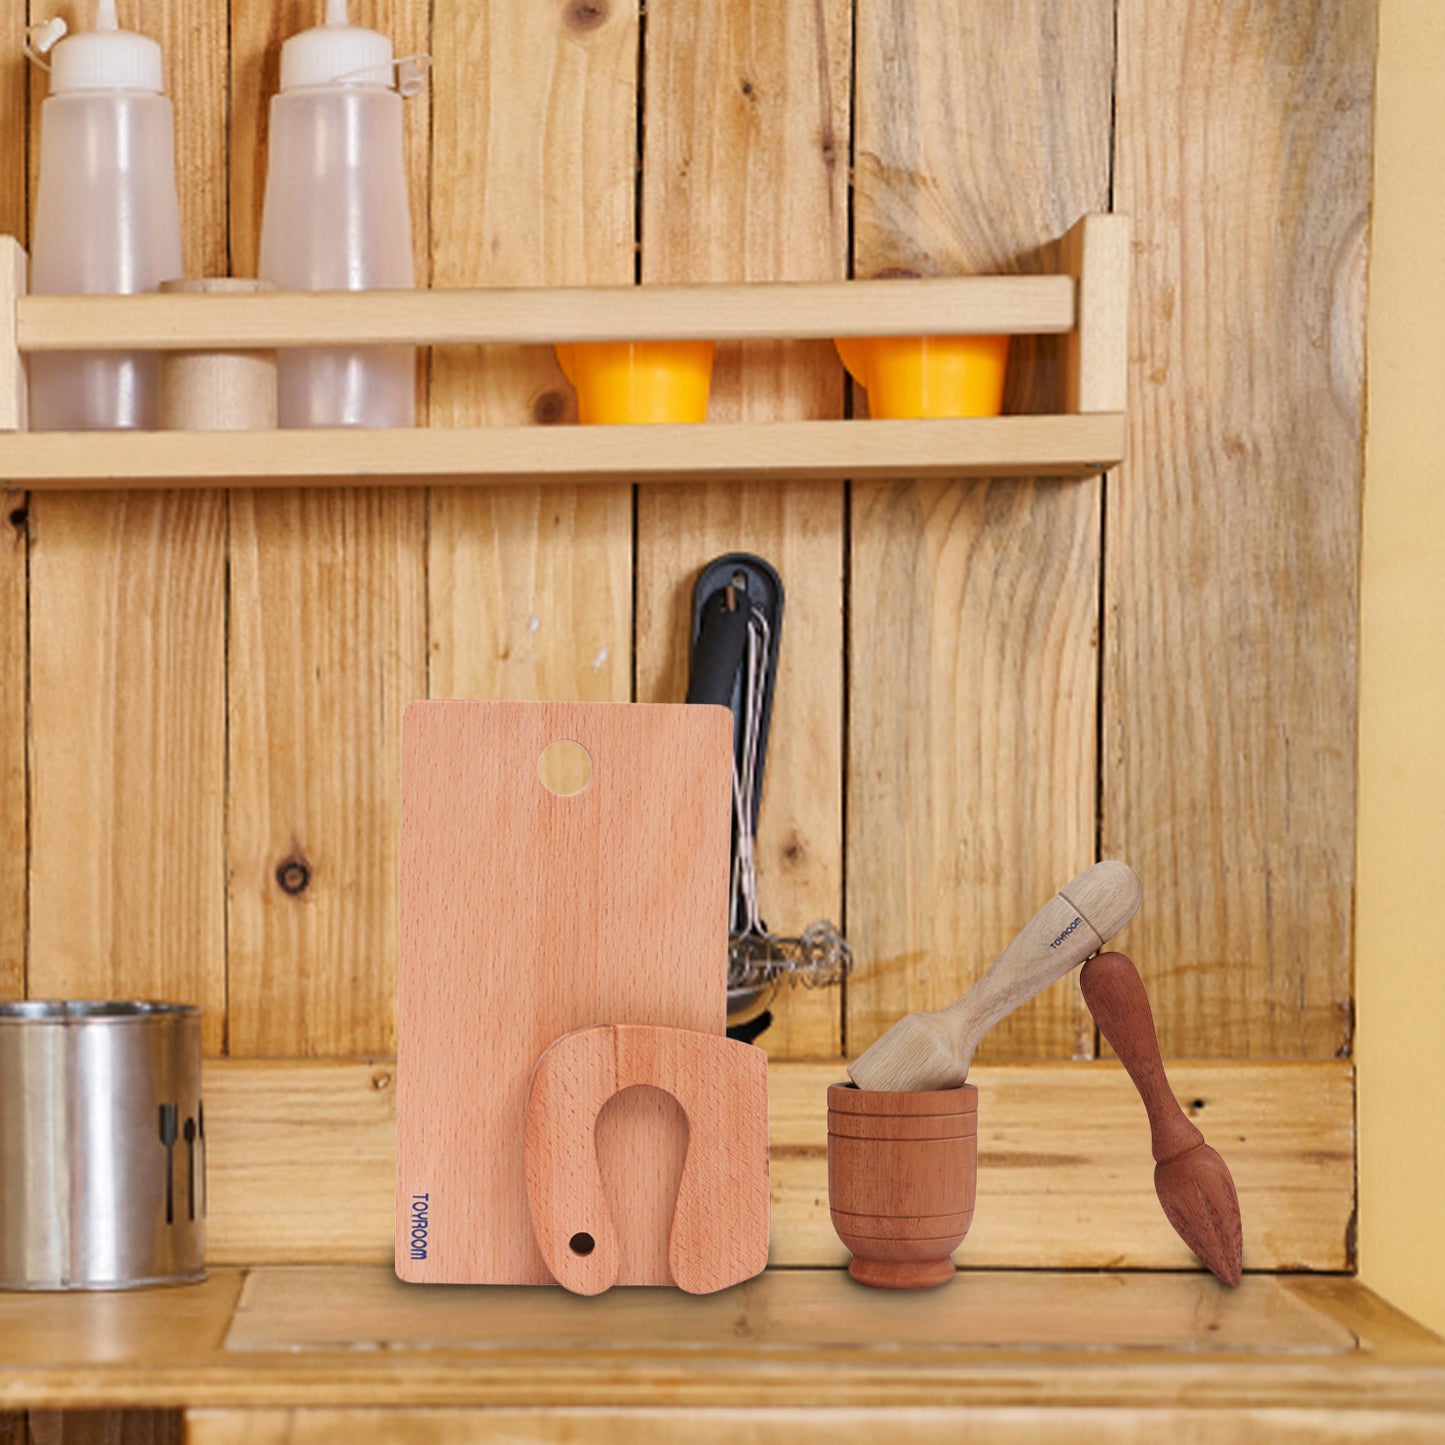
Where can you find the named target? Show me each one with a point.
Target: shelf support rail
(1087, 303)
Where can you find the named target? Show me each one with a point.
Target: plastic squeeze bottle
(106, 216)
(336, 216)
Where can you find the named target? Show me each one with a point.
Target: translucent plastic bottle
(106, 217)
(336, 216)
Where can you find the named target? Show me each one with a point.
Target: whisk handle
(718, 653)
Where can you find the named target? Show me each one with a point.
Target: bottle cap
(336, 53)
(106, 58)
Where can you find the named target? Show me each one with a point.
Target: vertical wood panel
(328, 619)
(128, 749)
(127, 646)
(530, 588)
(14, 548)
(981, 133)
(535, 123)
(327, 648)
(744, 178)
(1244, 156)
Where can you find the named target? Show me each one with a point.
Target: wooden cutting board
(525, 915)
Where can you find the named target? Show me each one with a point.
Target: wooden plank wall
(984, 685)
(974, 608)
(1230, 612)
(128, 659)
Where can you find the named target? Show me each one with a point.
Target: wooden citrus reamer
(1193, 1183)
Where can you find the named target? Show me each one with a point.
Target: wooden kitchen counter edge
(1339, 1347)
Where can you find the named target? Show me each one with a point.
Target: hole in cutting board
(564, 767)
(582, 1243)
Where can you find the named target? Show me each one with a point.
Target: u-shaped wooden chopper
(719, 1234)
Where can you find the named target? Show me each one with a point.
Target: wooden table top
(354, 1336)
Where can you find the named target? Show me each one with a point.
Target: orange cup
(639, 381)
(928, 376)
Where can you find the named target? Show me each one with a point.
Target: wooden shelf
(520, 316)
(1058, 446)
(344, 1336)
(1086, 303)
(1044, 1202)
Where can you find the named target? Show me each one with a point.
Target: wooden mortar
(902, 1173)
(217, 390)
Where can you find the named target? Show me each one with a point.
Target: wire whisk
(818, 958)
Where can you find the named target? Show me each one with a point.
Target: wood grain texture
(14, 388)
(127, 606)
(811, 1338)
(718, 1234)
(534, 124)
(526, 915)
(974, 608)
(328, 609)
(530, 592)
(1095, 251)
(325, 1309)
(14, 547)
(780, 451)
(744, 178)
(128, 645)
(1065, 1177)
(1044, 1202)
(1229, 705)
(1018, 1424)
(327, 647)
(540, 313)
(127, 787)
(270, 1128)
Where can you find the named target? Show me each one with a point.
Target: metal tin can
(102, 1145)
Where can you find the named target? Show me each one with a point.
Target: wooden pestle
(934, 1050)
(1192, 1181)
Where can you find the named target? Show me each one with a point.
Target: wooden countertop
(321, 1338)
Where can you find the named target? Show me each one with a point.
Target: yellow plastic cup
(924, 376)
(639, 381)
